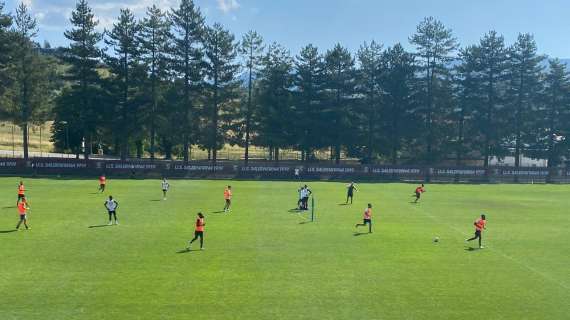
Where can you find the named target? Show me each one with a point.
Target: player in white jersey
(165, 187)
(111, 205)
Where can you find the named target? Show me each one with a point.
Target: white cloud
(227, 6)
(28, 3)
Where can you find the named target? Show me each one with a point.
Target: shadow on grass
(221, 211)
(12, 207)
(471, 249)
(344, 204)
(305, 222)
(154, 200)
(8, 231)
(294, 210)
(186, 250)
(358, 234)
(100, 226)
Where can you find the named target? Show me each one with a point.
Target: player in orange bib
(228, 198)
(366, 219)
(21, 192)
(418, 192)
(102, 183)
(199, 231)
(23, 213)
(480, 225)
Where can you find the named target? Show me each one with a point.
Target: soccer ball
(436, 239)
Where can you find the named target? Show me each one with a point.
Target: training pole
(312, 209)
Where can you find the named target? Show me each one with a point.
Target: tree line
(168, 82)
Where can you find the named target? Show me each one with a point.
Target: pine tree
(370, 76)
(221, 70)
(78, 109)
(25, 56)
(399, 112)
(553, 115)
(493, 64)
(340, 84)
(308, 81)
(251, 50)
(469, 94)
(275, 112)
(434, 44)
(187, 62)
(123, 62)
(154, 39)
(5, 54)
(524, 72)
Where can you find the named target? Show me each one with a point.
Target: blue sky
(295, 23)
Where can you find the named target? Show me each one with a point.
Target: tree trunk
(25, 140)
(139, 145)
(248, 115)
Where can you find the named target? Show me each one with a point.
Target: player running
(228, 198)
(102, 183)
(350, 188)
(112, 206)
(21, 192)
(418, 192)
(23, 212)
(165, 187)
(367, 219)
(199, 231)
(480, 225)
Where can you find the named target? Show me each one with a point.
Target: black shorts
(418, 195)
(21, 196)
(367, 221)
(23, 217)
(112, 212)
(477, 233)
(350, 194)
(199, 234)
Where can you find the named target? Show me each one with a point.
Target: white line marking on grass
(520, 263)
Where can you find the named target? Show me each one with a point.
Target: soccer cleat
(116, 222)
(110, 223)
(202, 249)
(481, 247)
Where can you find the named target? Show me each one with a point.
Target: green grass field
(263, 261)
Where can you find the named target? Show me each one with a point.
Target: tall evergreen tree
(274, 113)
(251, 50)
(469, 95)
(493, 64)
(123, 61)
(5, 53)
(434, 44)
(370, 85)
(308, 81)
(221, 70)
(524, 72)
(25, 29)
(79, 111)
(187, 61)
(552, 119)
(340, 84)
(398, 94)
(154, 39)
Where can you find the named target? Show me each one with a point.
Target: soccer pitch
(266, 261)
